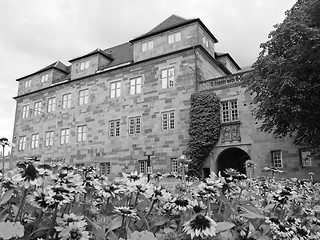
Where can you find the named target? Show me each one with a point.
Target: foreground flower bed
(43, 201)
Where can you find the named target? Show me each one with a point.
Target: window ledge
(230, 123)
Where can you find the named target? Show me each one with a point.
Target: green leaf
(6, 197)
(115, 224)
(252, 213)
(160, 221)
(223, 226)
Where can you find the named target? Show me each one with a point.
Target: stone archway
(232, 158)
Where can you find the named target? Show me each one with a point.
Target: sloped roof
(122, 53)
(172, 22)
(229, 57)
(96, 51)
(57, 65)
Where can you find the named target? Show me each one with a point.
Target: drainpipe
(196, 69)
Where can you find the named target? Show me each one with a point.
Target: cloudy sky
(36, 33)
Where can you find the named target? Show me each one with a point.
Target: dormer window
(205, 41)
(44, 77)
(27, 83)
(147, 46)
(84, 65)
(175, 37)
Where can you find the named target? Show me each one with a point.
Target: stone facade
(111, 108)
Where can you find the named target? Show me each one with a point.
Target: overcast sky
(36, 33)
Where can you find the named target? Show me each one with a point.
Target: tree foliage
(204, 129)
(286, 77)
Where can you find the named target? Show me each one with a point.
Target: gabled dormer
(173, 34)
(89, 64)
(228, 62)
(42, 78)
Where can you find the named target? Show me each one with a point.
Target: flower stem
(21, 204)
(153, 202)
(52, 221)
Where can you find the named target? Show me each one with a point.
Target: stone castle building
(117, 107)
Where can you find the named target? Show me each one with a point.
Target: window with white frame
(44, 77)
(84, 65)
(135, 85)
(37, 108)
(174, 37)
(205, 41)
(168, 120)
(51, 104)
(167, 77)
(229, 111)
(115, 89)
(25, 111)
(48, 139)
(83, 96)
(147, 46)
(34, 141)
(105, 168)
(22, 143)
(305, 158)
(81, 133)
(66, 100)
(27, 83)
(114, 128)
(277, 159)
(64, 136)
(134, 125)
(143, 165)
(174, 165)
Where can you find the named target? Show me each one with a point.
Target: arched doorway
(232, 158)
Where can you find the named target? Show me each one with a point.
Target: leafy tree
(285, 80)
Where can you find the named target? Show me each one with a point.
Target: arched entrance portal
(232, 158)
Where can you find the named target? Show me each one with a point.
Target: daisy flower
(134, 176)
(126, 212)
(39, 199)
(28, 175)
(73, 231)
(181, 204)
(10, 230)
(201, 226)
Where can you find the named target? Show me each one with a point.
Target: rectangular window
(81, 133)
(48, 141)
(37, 108)
(134, 125)
(147, 46)
(167, 77)
(175, 37)
(44, 77)
(64, 136)
(135, 85)
(143, 164)
(34, 141)
(115, 89)
(22, 143)
(83, 96)
(27, 83)
(305, 158)
(25, 111)
(51, 104)
(277, 159)
(84, 65)
(105, 168)
(168, 120)
(66, 100)
(229, 111)
(174, 165)
(205, 41)
(114, 128)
